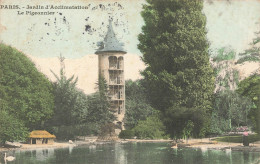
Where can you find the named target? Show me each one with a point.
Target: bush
(238, 138)
(218, 125)
(151, 128)
(126, 134)
(72, 131)
(107, 130)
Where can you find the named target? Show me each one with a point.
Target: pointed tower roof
(110, 43)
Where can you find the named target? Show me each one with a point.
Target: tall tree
(250, 87)
(232, 107)
(99, 108)
(70, 103)
(252, 54)
(25, 92)
(137, 105)
(178, 77)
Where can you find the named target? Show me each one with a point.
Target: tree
(229, 105)
(224, 53)
(223, 62)
(99, 108)
(250, 88)
(11, 129)
(252, 54)
(137, 106)
(187, 131)
(67, 99)
(25, 92)
(71, 106)
(99, 111)
(178, 78)
(151, 128)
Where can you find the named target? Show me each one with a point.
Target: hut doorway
(45, 141)
(33, 140)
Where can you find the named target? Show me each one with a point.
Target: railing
(115, 66)
(116, 81)
(116, 96)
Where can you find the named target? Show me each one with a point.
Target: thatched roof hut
(41, 137)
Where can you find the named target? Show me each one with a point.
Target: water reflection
(132, 153)
(120, 154)
(70, 149)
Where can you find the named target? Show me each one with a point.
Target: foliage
(82, 112)
(187, 131)
(137, 106)
(231, 106)
(126, 134)
(151, 128)
(99, 106)
(219, 125)
(250, 88)
(11, 129)
(68, 132)
(238, 138)
(25, 92)
(227, 77)
(178, 79)
(252, 54)
(107, 130)
(224, 53)
(70, 103)
(98, 111)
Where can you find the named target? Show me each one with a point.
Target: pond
(131, 153)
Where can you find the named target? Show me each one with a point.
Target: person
(245, 139)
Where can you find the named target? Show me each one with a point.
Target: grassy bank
(238, 138)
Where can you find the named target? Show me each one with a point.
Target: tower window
(120, 63)
(112, 62)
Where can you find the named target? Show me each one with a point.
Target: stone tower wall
(111, 67)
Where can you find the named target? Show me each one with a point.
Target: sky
(74, 33)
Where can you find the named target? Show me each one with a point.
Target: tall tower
(111, 67)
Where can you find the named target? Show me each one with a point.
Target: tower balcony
(115, 69)
(116, 82)
(116, 97)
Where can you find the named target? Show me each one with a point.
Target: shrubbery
(137, 105)
(72, 131)
(218, 125)
(151, 128)
(126, 134)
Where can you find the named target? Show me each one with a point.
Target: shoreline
(34, 147)
(203, 144)
(74, 144)
(207, 144)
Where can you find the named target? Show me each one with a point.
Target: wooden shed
(41, 137)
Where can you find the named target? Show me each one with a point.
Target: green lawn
(238, 138)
